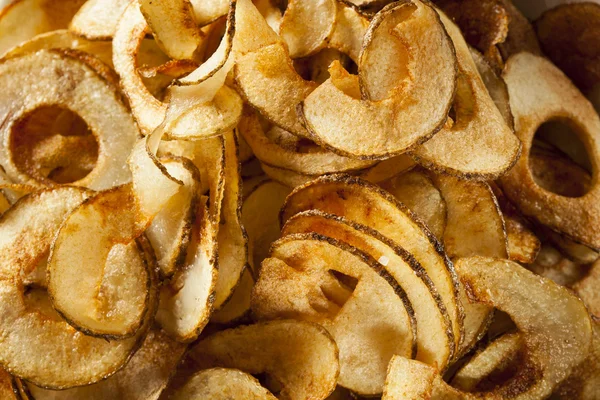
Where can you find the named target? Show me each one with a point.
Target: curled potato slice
(479, 144)
(232, 238)
(365, 203)
(318, 278)
(67, 84)
(270, 147)
(222, 384)
(170, 230)
(435, 339)
(338, 119)
(310, 371)
(69, 357)
(307, 25)
(551, 96)
(498, 353)
(173, 26)
(109, 290)
(556, 332)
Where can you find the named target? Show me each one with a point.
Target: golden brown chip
(67, 85)
(587, 289)
(435, 339)
(551, 96)
(556, 329)
(308, 372)
(479, 143)
(568, 35)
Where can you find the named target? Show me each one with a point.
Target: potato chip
(339, 121)
(318, 278)
(479, 144)
(67, 84)
(310, 371)
(435, 339)
(535, 102)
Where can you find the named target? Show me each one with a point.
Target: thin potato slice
(416, 190)
(307, 160)
(170, 230)
(98, 19)
(556, 329)
(260, 217)
(173, 26)
(67, 82)
(350, 28)
(435, 339)
(106, 291)
(232, 238)
(359, 201)
(501, 351)
(521, 35)
(551, 96)
(320, 279)
(310, 371)
(338, 120)
(131, 30)
(143, 378)
(270, 84)
(475, 225)
(222, 384)
(23, 19)
(287, 177)
(307, 25)
(207, 11)
(495, 86)
(479, 144)
(551, 264)
(8, 386)
(70, 358)
(186, 303)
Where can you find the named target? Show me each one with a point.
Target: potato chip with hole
(70, 358)
(67, 84)
(548, 97)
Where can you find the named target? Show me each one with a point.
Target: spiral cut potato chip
(303, 199)
(564, 334)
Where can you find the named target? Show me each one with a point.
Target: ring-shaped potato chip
(551, 96)
(67, 82)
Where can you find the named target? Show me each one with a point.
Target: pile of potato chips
(301, 199)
